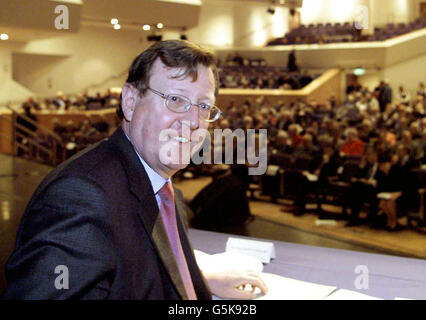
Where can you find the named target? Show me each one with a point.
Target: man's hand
(235, 285)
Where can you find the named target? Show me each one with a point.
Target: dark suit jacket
(97, 215)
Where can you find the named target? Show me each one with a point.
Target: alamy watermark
(62, 280)
(361, 17)
(362, 280)
(62, 20)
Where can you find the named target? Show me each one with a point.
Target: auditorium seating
(290, 175)
(343, 32)
(243, 73)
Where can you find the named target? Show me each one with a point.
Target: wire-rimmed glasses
(180, 104)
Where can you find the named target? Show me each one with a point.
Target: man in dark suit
(363, 188)
(107, 224)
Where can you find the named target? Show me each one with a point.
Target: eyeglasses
(180, 104)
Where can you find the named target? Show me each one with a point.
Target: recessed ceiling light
(146, 27)
(4, 36)
(114, 21)
(160, 25)
(117, 27)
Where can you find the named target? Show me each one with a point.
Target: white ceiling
(26, 20)
(173, 14)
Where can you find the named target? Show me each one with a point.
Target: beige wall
(72, 62)
(215, 27)
(254, 26)
(409, 73)
(224, 24)
(9, 89)
(393, 11)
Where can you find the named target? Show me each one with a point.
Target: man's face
(148, 120)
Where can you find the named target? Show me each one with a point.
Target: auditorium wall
(73, 62)
(382, 11)
(394, 11)
(223, 23)
(409, 73)
(254, 26)
(10, 90)
(215, 27)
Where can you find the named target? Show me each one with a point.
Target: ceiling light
(160, 25)
(117, 27)
(4, 36)
(114, 21)
(146, 27)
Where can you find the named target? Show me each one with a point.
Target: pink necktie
(168, 215)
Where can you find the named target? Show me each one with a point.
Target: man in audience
(421, 91)
(59, 101)
(306, 149)
(295, 137)
(363, 188)
(403, 96)
(291, 63)
(31, 104)
(384, 95)
(281, 145)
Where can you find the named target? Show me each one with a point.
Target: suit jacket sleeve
(65, 225)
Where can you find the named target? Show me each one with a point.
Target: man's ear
(129, 98)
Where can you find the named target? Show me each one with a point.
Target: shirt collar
(157, 181)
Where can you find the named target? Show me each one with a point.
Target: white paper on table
(281, 288)
(227, 261)
(343, 294)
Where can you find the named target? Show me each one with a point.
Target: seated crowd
(243, 73)
(78, 102)
(371, 151)
(362, 152)
(73, 137)
(343, 32)
(77, 136)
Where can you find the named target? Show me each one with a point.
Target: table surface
(388, 276)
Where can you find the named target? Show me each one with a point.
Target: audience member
(353, 146)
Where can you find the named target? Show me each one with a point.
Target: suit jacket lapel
(165, 251)
(141, 187)
(201, 287)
